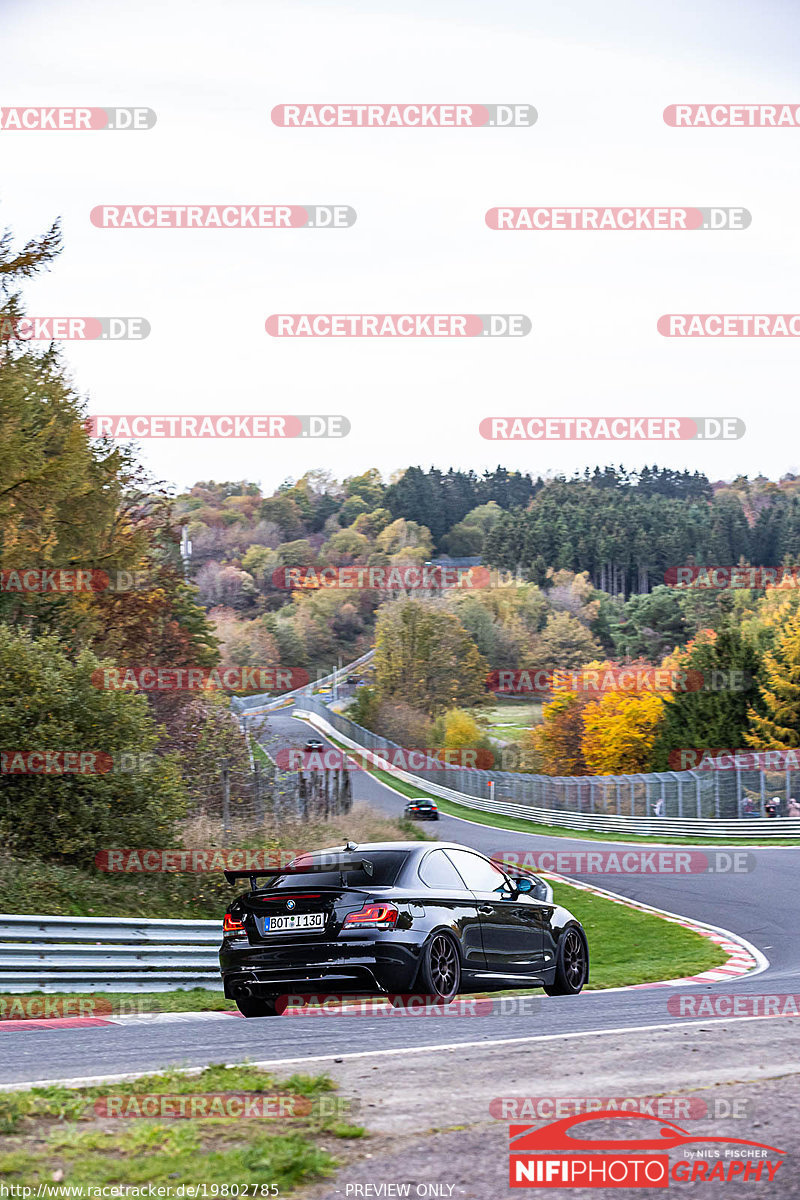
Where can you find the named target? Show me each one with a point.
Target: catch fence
(706, 802)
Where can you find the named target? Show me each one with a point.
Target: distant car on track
(396, 918)
(421, 810)
(314, 746)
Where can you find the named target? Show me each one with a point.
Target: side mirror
(535, 887)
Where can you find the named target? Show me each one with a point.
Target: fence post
(762, 785)
(259, 806)
(226, 802)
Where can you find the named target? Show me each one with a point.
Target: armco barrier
(252, 706)
(107, 954)
(583, 816)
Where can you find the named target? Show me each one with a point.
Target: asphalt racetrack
(620, 1042)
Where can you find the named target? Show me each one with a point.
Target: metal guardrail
(107, 954)
(581, 817)
(251, 706)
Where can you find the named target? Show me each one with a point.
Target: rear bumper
(361, 966)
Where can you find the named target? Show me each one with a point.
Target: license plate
(298, 922)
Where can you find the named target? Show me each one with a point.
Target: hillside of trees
(579, 578)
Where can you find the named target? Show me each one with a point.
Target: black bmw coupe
(396, 918)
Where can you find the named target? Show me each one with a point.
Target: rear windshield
(386, 866)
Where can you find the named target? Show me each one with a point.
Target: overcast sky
(599, 76)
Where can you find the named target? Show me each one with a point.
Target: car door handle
(485, 909)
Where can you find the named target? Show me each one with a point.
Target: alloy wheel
(444, 965)
(574, 959)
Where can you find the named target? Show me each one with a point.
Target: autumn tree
(556, 745)
(620, 731)
(775, 723)
(425, 657)
(564, 644)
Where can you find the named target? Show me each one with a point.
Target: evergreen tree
(716, 714)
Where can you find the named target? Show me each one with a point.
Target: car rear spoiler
(335, 863)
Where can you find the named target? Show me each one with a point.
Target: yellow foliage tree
(779, 726)
(461, 731)
(620, 732)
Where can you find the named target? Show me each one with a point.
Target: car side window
(437, 871)
(478, 874)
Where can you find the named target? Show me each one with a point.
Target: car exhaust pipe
(241, 991)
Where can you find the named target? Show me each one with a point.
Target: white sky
(599, 76)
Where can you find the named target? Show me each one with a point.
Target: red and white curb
(743, 957)
(28, 1024)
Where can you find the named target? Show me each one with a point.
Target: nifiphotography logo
(553, 1157)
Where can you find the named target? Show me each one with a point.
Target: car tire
(572, 964)
(257, 1006)
(439, 972)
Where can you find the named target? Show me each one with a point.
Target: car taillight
(372, 916)
(233, 928)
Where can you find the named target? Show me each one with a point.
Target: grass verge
(62, 1135)
(627, 946)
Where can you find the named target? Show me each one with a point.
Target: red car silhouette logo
(528, 1139)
